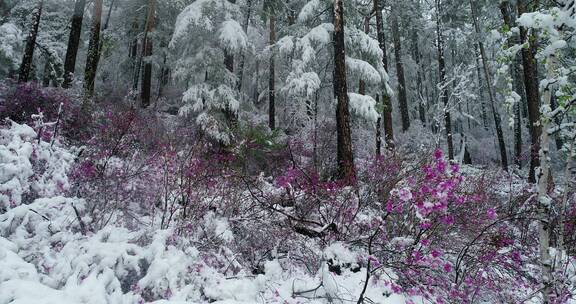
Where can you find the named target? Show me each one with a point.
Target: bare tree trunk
(229, 64)
(506, 11)
(417, 59)
(164, 76)
(532, 94)
(402, 99)
(146, 53)
(495, 114)
(544, 200)
(93, 48)
(557, 137)
(444, 92)
(481, 91)
(243, 57)
(345, 155)
(271, 77)
(73, 43)
(417, 56)
(46, 73)
(26, 64)
(387, 112)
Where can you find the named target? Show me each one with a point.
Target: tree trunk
(164, 76)
(133, 53)
(481, 90)
(146, 53)
(417, 58)
(557, 137)
(517, 83)
(444, 92)
(532, 94)
(345, 155)
(93, 47)
(229, 64)
(402, 99)
(243, 57)
(26, 64)
(271, 77)
(544, 200)
(495, 114)
(387, 105)
(73, 43)
(362, 83)
(104, 28)
(46, 74)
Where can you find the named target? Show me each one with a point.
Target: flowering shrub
(21, 101)
(167, 215)
(427, 230)
(447, 241)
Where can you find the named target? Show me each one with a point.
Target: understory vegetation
(290, 152)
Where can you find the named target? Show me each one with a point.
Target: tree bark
(387, 111)
(134, 46)
(544, 200)
(46, 73)
(73, 43)
(402, 99)
(229, 64)
(557, 137)
(532, 92)
(146, 53)
(417, 59)
(271, 77)
(26, 64)
(507, 15)
(243, 57)
(345, 157)
(93, 48)
(481, 90)
(444, 92)
(495, 114)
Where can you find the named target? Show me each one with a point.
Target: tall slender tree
(444, 91)
(386, 104)
(507, 15)
(402, 98)
(345, 157)
(495, 114)
(73, 42)
(242, 62)
(93, 49)
(26, 64)
(531, 86)
(147, 53)
(272, 74)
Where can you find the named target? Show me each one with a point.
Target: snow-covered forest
(287, 151)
